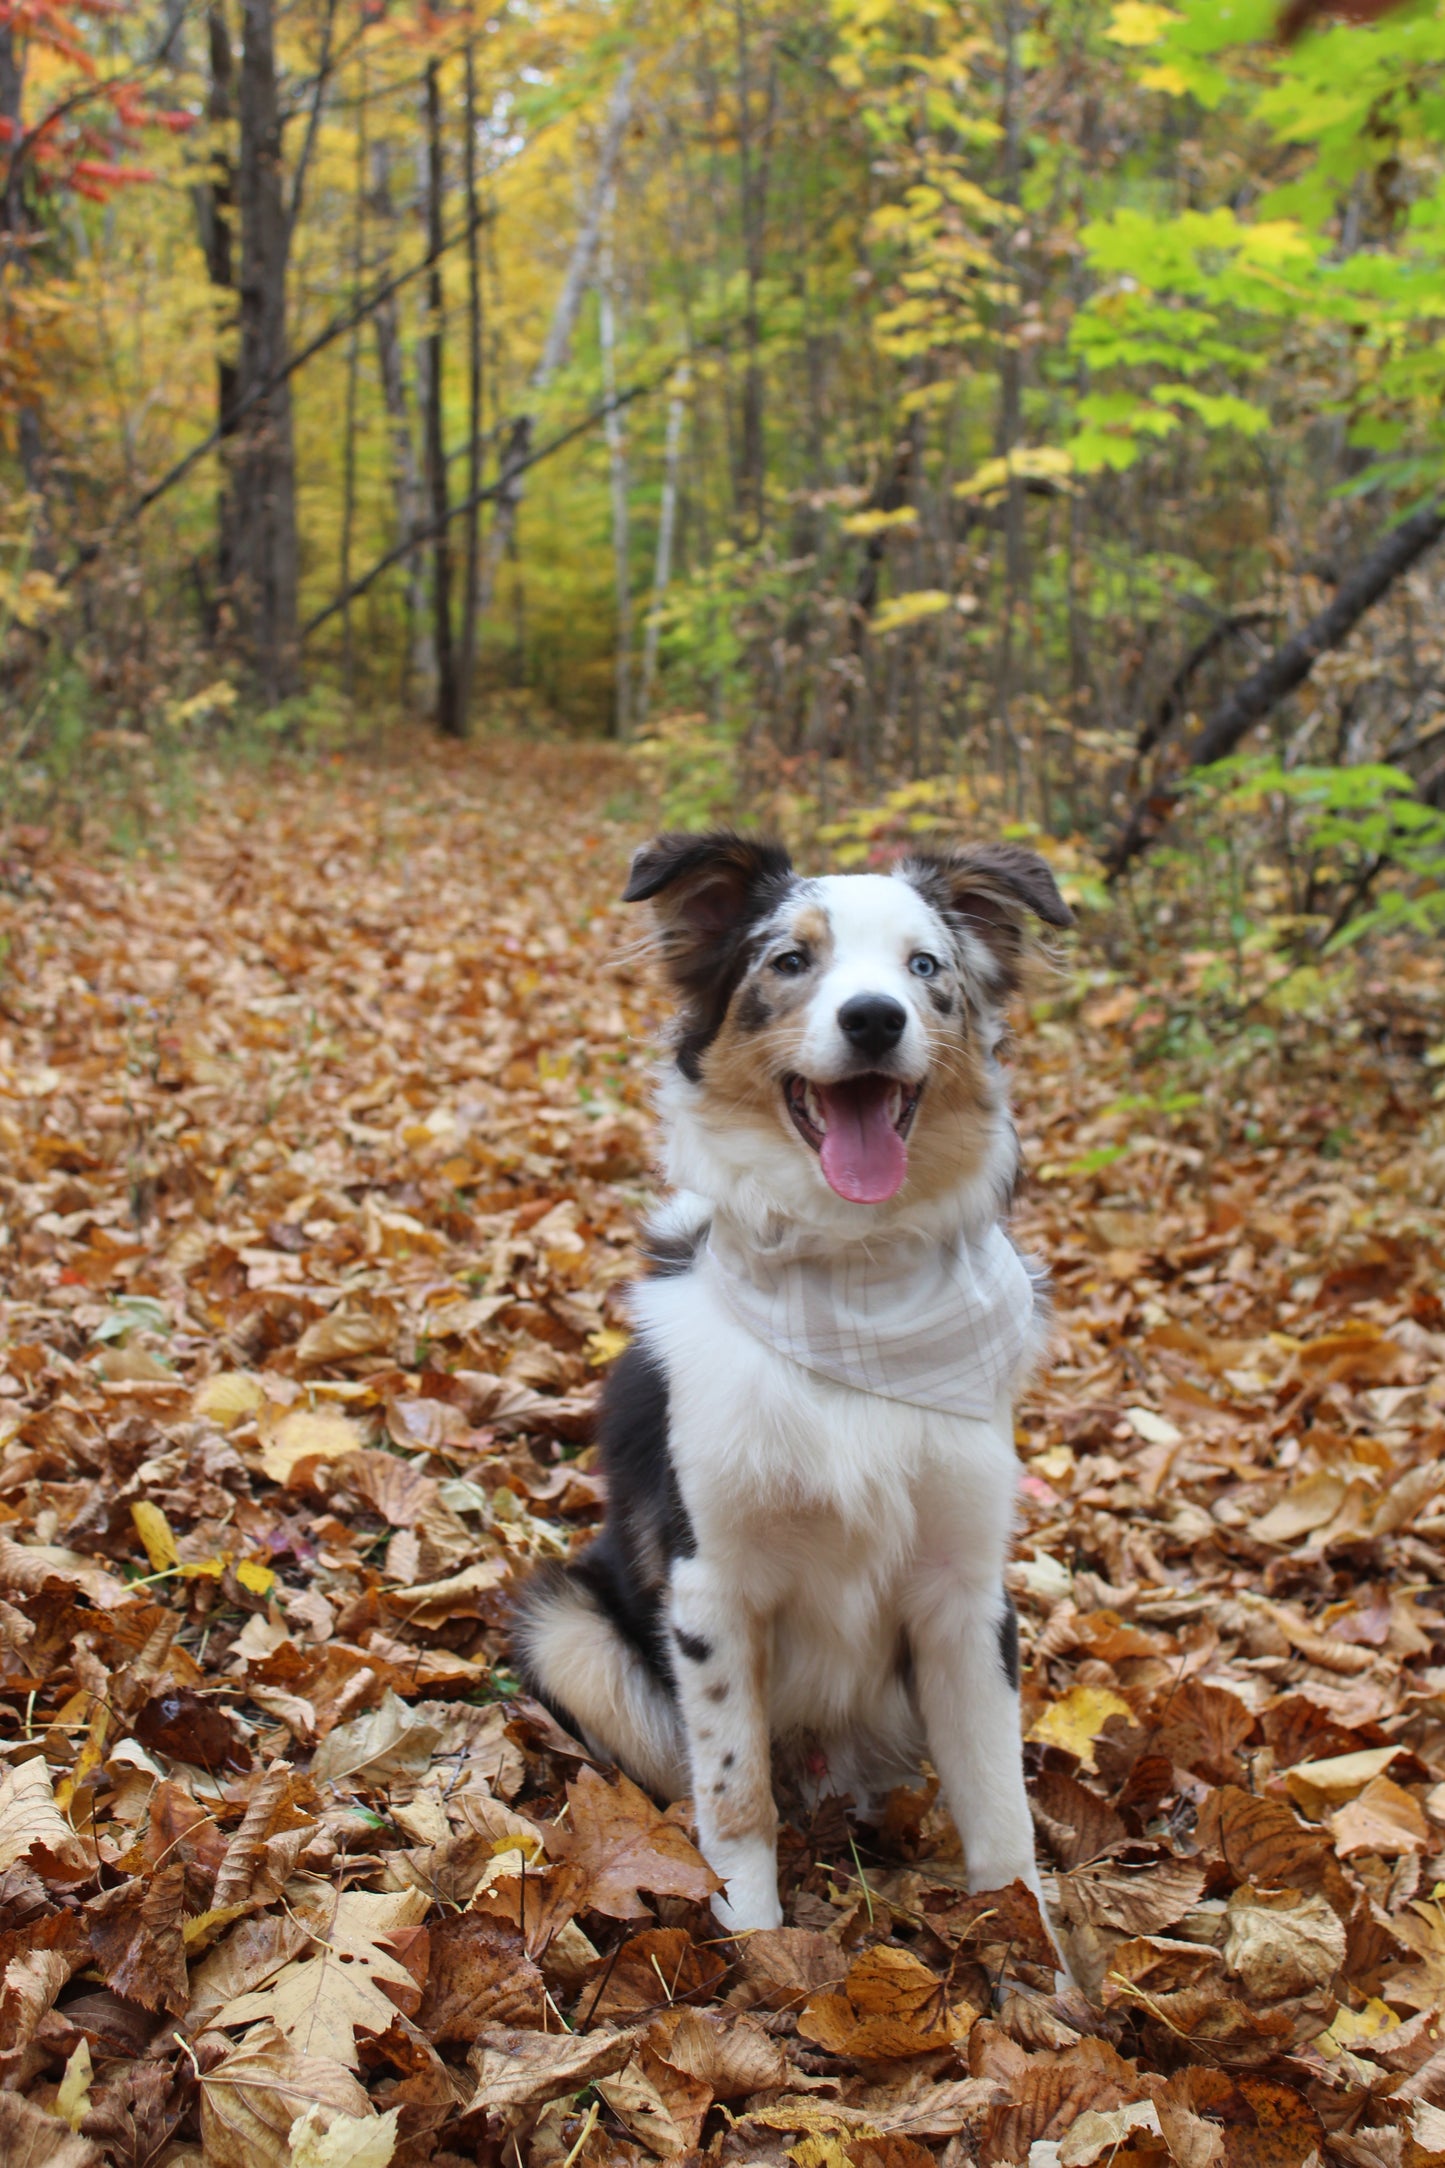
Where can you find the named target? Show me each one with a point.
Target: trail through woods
(321, 1144)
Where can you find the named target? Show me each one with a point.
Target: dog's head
(838, 1034)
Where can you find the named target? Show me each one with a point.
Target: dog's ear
(706, 885)
(991, 891)
(707, 893)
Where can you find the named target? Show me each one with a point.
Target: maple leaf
(252, 2099)
(351, 1981)
(622, 1845)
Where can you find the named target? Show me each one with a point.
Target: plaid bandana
(937, 1324)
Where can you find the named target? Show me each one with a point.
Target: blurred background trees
(837, 398)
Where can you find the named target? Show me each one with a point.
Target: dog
(808, 1443)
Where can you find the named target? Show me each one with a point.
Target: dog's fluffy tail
(572, 1658)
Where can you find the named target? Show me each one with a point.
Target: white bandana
(937, 1324)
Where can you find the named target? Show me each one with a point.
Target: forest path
(321, 1145)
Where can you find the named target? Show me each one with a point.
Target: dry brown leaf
(30, 1821)
(652, 1970)
(725, 2050)
(527, 2069)
(253, 2097)
(480, 1977)
(137, 1940)
(29, 2138)
(1385, 1818)
(390, 1741)
(891, 2005)
(1282, 1942)
(350, 1981)
(337, 1338)
(621, 1845)
(662, 2107)
(780, 1967)
(1137, 1899)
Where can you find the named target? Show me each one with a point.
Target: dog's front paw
(750, 1900)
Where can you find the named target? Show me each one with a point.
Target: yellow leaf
(1318, 1786)
(605, 1345)
(1075, 1721)
(1139, 22)
(1350, 2026)
(253, 1575)
(201, 1568)
(1170, 80)
(72, 2096)
(154, 1531)
(227, 1397)
(911, 608)
(302, 1435)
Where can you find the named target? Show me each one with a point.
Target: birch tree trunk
(405, 475)
(617, 462)
(666, 526)
(511, 480)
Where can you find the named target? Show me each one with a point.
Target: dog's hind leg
(575, 1659)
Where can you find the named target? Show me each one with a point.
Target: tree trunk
(406, 479)
(12, 84)
(1011, 399)
(353, 376)
(471, 583)
(1286, 669)
(264, 473)
(666, 527)
(448, 721)
(617, 464)
(215, 204)
(754, 161)
(518, 447)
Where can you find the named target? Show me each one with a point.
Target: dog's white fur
(832, 1527)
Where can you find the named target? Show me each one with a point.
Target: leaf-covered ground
(320, 1148)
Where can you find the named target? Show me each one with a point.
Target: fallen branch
(1286, 669)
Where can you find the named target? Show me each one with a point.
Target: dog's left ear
(992, 890)
(706, 885)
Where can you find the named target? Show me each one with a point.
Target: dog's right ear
(706, 886)
(707, 893)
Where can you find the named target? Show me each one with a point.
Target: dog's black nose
(872, 1022)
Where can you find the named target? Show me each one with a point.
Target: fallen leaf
(891, 2005)
(254, 2096)
(1385, 1818)
(1075, 1721)
(323, 2138)
(622, 1845)
(304, 1435)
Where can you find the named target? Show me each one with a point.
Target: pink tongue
(864, 1158)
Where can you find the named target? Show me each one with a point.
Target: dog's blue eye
(924, 966)
(790, 963)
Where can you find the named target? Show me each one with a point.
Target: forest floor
(322, 1138)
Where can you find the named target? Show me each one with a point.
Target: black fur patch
(753, 1011)
(624, 1572)
(1008, 1642)
(669, 1256)
(941, 998)
(711, 891)
(693, 1646)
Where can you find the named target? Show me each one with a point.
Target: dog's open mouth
(859, 1129)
